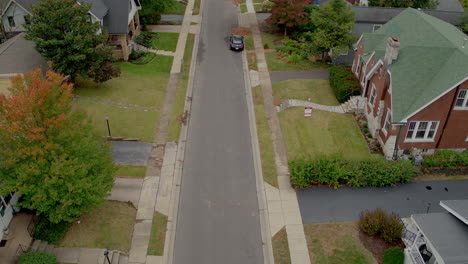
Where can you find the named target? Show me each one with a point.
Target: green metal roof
(430, 61)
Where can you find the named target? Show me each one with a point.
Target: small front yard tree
(50, 155)
(288, 14)
(333, 24)
(64, 34)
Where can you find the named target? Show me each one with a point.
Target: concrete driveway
(324, 204)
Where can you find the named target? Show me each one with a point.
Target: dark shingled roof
(381, 15)
(116, 21)
(19, 55)
(98, 8)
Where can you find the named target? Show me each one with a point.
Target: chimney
(391, 52)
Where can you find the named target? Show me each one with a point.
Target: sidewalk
(158, 185)
(283, 206)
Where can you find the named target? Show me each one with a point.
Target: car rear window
(237, 40)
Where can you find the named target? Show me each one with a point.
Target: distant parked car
(236, 42)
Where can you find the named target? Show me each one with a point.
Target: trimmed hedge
(50, 232)
(394, 255)
(446, 159)
(379, 223)
(344, 83)
(38, 258)
(336, 171)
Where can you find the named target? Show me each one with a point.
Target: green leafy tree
(333, 22)
(152, 9)
(64, 35)
(50, 155)
(288, 14)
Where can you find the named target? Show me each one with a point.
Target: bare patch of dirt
(377, 246)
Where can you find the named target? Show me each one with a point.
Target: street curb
(261, 194)
(168, 256)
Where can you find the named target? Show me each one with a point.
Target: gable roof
(19, 55)
(381, 15)
(431, 60)
(114, 13)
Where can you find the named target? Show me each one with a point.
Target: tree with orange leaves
(49, 154)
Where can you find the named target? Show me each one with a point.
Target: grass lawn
(181, 92)
(319, 91)
(158, 235)
(264, 139)
(130, 171)
(331, 243)
(196, 7)
(323, 133)
(252, 61)
(249, 43)
(177, 9)
(270, 40)
(109, 226)
(243, 8)
(277, 63)
(165, 41)
(281, 247)
(143, 85)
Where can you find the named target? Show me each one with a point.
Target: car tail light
(242, 45)
(232, 45)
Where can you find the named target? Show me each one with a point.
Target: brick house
(119, 18)
(413, 73)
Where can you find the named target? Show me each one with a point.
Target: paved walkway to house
(324, 204)
(130, 153)
(165, 159)
(279, 76)
(126, 190)
(282, 203)
(295, 103)
(172, 18)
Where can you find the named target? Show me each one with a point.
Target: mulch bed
(372, 143)
(445, 171)
(377, 246)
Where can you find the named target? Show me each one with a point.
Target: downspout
(448, 116)
(395, 149)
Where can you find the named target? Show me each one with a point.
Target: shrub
(392, 228)
(142, 57)
(145, 38)
(135, 55)
(50, 232)
(371, 222)
(369, 135)
(149, 16)
(37, 258)
(394, 255)
(344, 83)
(377, 222)
(446, 159)
(266, 46)
(334, 171)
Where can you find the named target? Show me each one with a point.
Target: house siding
(456, 130)
(18, 14)
(437, 111)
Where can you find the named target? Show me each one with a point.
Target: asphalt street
(324, 204)
(218, 219)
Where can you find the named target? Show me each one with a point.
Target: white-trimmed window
(372, 95)
(358, 65)
(376, 27)
(421, 130)
(388, 122)
(462, 100)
